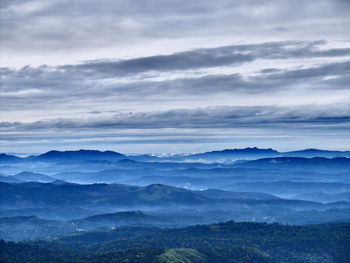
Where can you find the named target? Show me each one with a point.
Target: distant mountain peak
(81, 151)
(126, 160)
(27, 176)
(9, 158)
(313, 150)
(159, 186)
(81, 155)
(250, 149)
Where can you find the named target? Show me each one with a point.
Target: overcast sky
(157, 76)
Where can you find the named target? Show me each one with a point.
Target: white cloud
(116, 57)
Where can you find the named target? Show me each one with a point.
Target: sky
(174, 76)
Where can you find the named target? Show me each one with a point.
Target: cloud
(115, 65)
(65, 31)
(46, 76)
(204, 58)
(104, 83)
(303, 117)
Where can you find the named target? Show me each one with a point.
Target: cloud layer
(180, 76)
(302, 117)
(65, 32)
(85, 70)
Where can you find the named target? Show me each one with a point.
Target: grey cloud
(335, 116)
(65, 25)
(194, 59)
(205, 58)
(322, 70)
(63, 32)
(43, 88)
(52, 77)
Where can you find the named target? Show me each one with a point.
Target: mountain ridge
(82, 154)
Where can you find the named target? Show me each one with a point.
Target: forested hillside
(223, 242)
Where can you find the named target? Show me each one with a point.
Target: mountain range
(222, 155)
(91, 206)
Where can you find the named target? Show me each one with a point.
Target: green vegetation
(20, 253)
(181, 255)
(225, 242)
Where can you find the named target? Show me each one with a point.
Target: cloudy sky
(157, 76)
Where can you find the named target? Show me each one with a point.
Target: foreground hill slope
(223, 242)
(143, 255)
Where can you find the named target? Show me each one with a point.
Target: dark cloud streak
(46, 86)
(206, 58)
(309, 116)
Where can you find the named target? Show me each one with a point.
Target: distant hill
(290, 188)
(129, 215)
(219, 194)
(257, 153)
(33, 177)
(111, 220)
(31, 227)
(20, 228)
(22, 219)
(320, 196)
(9, 179)
(113, 196)
(316, 164)
(97, 194)
(309, 153)
(232, 154)
(226, 155)
(69, 156)
(5, 158)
